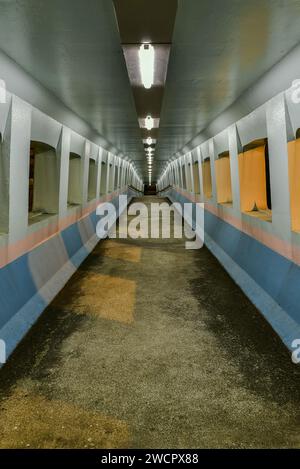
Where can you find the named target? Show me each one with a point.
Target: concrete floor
(150, 345)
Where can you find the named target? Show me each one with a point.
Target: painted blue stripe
(94, 219)
(20, 303)
(275, 274)
(19, 324)
(72, 240)
(16, 288)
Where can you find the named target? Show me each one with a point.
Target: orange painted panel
(294, 181)
(223, 180)
(252, 172)
(196, 178)
(207, 185)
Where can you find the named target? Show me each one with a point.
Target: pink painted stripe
(11, 252)
(284, 248)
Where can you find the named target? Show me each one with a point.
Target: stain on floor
(185, 361)
(105, 296)
(33, 421)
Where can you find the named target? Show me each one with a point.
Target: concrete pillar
(109, 172)
(63, 155)
(191, 173)
(99, 171)
(181, 172)
(18, 145)
(213, 156)
(85, 172)
(234, 167)
(199, 159)
(279, 170)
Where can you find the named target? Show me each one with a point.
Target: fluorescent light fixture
(149, 141)
(146, 55)
(149, 123)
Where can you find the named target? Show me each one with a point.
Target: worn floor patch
(115, 250)
(105, 296)
(32, 421)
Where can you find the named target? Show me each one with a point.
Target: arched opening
(75, 180)
(116, 178)
(294, 180)
(207, 183)
(223, 178)
(255, 185)
(196, 178)
(43, 182)
(174, 176)
(103, 178)
(111, 179)
(184, 186)
(92, 181)
(189, 177)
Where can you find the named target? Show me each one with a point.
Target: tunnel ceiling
(73, 48)
(218, 49)
(143, 22)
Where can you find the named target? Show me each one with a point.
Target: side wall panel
(252, 266)
(29, 284)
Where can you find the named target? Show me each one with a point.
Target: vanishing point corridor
(150, 345)
(123, 123)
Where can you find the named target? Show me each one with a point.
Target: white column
(177, 173)
(63, 154)
(181, 172)
(18, 146)
(234, 167)
(99, 170)
(279, 169)
(114, 162)
(119, 182)
(212, 157)
(85, 172)
(126, 173)
(190, 159)
(199, 158)
(108, 171)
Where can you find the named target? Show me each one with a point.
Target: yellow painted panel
(207, 184)
(223, 180)
(294, 182)
(252, 172)
(196, 178)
